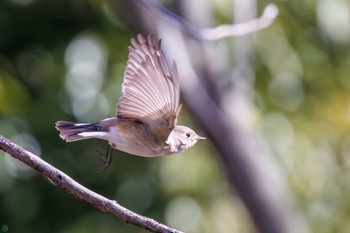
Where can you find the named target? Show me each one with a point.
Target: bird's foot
(105, 159)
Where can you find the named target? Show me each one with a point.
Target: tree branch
(63, 181)
(229, 30)
(246, 159)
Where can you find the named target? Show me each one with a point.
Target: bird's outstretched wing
(150, 91)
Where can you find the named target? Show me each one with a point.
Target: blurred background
(65, 60)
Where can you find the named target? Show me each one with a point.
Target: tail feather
(70, 131)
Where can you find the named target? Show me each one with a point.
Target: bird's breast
(136, 138)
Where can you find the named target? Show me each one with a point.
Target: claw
(105, 159)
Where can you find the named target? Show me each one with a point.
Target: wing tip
(149, 40)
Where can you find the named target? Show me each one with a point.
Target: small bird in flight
(146, 113)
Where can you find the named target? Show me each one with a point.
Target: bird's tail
(70, 131)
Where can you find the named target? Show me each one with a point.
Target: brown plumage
(147, 111)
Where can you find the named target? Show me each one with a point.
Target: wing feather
(150, 91)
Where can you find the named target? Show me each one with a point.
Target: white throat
(175, 143)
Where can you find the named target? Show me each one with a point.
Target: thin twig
(241, 29)
(230, 30)
(63, 181)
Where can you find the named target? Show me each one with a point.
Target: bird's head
(182, 138)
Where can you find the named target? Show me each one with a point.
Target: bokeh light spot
(183, 213)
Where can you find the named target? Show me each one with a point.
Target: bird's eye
(188, 135)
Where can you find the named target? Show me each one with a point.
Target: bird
(145, 123)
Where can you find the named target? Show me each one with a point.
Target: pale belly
(131, 139)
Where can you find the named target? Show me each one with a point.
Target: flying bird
(146, 113)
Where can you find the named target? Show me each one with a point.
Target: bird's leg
(105, 159)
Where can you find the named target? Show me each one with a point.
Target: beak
(199, 138)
